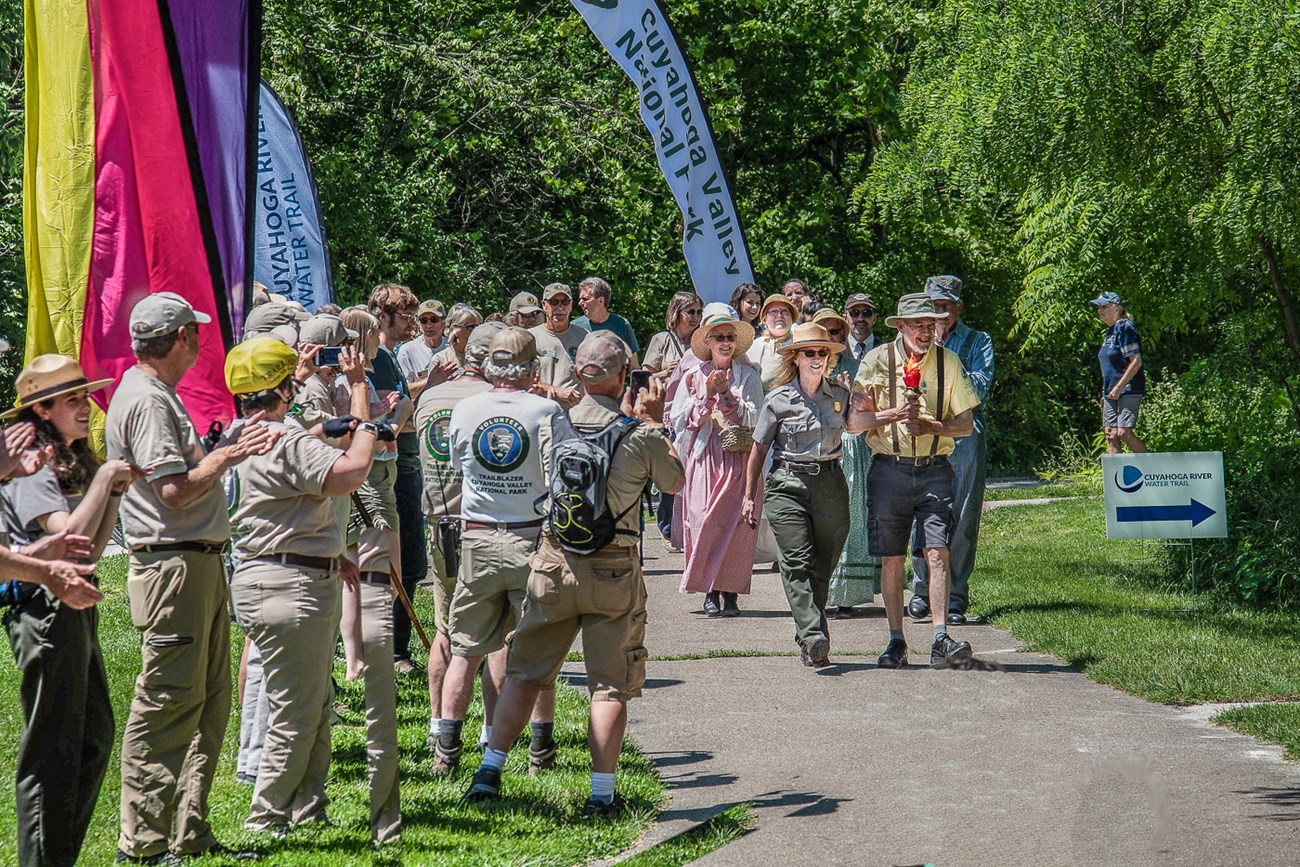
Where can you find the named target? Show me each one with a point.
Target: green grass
(1049, 574)
(1279, 723)
(1071, 488)
(694, 844)
(537, 823)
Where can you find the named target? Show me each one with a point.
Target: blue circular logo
(1128, 479)
(500, 444)
(437, 441)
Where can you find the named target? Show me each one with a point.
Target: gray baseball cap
(262, 318)
(601, 355)
(162, 313)
(325, 329)
(943, 288)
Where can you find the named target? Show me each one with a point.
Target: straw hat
(717, 315)
(810, 335)
(916, 305)
(778, 299)
(826, 313)
(49, 376)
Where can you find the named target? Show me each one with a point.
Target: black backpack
(579, 518)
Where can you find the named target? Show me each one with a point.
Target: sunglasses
(814, 353)
(559, 302)
(835, 332)
(694, 311)
(723, 338)
(862, 314)
(430, 320)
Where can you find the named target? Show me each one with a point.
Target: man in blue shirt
(593, 298)
(969, 457)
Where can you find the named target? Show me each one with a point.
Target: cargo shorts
(489, 594)
(899, 493)
(603, 596)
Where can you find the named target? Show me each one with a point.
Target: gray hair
(599, 288)
(508, 373)
(147, 348)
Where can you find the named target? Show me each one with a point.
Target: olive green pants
(67, 733)
(809, 515)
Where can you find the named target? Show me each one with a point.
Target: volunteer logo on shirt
(436, 440)
(500, 444)
(233, 490)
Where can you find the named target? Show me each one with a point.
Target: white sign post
(1165, 495)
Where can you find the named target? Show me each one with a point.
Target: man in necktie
(969, 457)
(860, 311)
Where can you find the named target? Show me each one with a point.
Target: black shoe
(845, 612)
(541, 758)
(729, 606)
(816, 652)
(594, 809)
(956, 618)
(486, 785)
(445, 759)
(918, 608)
(219, 851)
(166, 858)
(711, 607)
(947, 652)
(895, 655)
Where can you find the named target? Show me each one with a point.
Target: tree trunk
(1290, 316)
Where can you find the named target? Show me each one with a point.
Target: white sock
(485, 734)
(495, 759)
(602, 787)
(434, 722)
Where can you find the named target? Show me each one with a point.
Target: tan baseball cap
(556, 289)
(162, 313)
(479, 340)
(525, 302)
(513, 345)
(432, 306)
(601, 355)
(325, 329)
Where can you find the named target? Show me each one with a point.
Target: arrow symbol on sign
(1193, 511)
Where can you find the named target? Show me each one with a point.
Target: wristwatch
(369, 426)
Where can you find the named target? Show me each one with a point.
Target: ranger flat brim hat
(48, 376)
(810, 335)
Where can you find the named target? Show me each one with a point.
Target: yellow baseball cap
(257, 364)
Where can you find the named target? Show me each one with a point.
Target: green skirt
(856, 580)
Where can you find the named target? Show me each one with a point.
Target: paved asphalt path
(1025, 762)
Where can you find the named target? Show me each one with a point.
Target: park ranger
(286, 589)
(175, 523)
(602, 593)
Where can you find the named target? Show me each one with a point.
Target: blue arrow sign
(1193, 511)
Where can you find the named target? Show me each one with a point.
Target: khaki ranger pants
(292, 615)
(809, 515)
(182, 701)
(381, 712)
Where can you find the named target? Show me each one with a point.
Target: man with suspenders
(913, 398)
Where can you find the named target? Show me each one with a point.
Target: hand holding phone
(328, 356)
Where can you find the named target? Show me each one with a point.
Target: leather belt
(926, 461)
(376, 578)
(503, 525)
(188, 547)
(807, 468)
(302, 561)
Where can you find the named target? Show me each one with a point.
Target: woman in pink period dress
(719, 545)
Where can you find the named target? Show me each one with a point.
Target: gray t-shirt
(433, 421)
(413, 356)
(554, 366)
(501, 443)
(314, 402)
(278, 505)
(149, 427)
(571, 338)
(26, 499)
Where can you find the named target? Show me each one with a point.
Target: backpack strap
(608, 439)
(938, 414)
(893, 387)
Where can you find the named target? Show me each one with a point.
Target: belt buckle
(814, 469)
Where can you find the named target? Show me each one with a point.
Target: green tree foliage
(13, 298)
